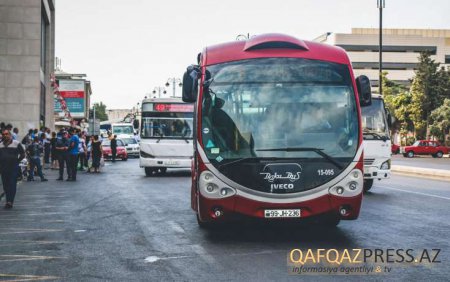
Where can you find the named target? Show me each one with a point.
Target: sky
(129, 47)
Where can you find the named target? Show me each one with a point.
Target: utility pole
(174, 81)
(380, 5)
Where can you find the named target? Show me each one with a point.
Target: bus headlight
(386, 165)
(350, 186)
(213, 188)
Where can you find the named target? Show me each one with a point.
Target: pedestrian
(11, 154)
(53, 151)
(46, 143)
(96, 153)
(114, 148)
(27, 138)
(34, 154)
(82, 151)
(73, 154)
(15, 134)
(62, 146)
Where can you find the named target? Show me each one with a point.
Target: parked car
(425, 147)
(121, 150)
(395, 149)
(132, 146)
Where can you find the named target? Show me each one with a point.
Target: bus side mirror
(190, 84)
(364, 91)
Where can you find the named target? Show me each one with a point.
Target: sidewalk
(442, 174)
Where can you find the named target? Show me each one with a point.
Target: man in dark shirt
(11, 153)
(34, 153)
(62, 146)
(114, 148)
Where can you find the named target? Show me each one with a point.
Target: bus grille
(368, 161)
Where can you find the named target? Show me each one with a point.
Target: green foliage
(440, 120)
(397, 101)
(100, 111)
(429, 88)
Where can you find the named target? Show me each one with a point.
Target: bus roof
(273, 45)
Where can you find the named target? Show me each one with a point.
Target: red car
(121, 150)
(395, 149)
(425, 147)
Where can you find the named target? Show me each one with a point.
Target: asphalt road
(122, 226)
(422, 161)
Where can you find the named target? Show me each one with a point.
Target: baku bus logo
(288, 171)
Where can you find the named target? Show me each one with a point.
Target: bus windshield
(279, 108)
(123, 129)
(374, 121)
(162, 121)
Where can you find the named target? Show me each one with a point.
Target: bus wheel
(368, 183)
(331, 221)
(149, 171)
(203, 225)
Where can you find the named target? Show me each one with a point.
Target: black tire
(330, 221)
(149, 171)
(203, 225)
(410, 154)
(439, 154)
(434, 155)
(404, 155)
(125, 159)
(368, 183)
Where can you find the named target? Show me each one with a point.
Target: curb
(420, 171)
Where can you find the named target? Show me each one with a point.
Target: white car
(132, 146)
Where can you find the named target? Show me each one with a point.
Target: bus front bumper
(238, 206)
(374, 172)
(165, 162)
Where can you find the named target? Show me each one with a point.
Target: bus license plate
(282, 213)
(171, 162)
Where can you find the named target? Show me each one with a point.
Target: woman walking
(96, 152)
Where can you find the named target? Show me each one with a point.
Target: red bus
(277, 131)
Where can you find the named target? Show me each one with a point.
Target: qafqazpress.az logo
(357, 261)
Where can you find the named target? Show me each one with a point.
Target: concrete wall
(20, 67)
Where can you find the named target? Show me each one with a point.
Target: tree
(428, 90)
(100, 111)
(440, 119)
(394, 98)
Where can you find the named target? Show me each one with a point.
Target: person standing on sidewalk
(96, 153)
(73, 155)
(34, 154)
(53, 151)
(11, 154)
(62, 146)
(114, 148)
(82, 155)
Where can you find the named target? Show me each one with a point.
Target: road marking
(18, 277)
(24, 231)
(417, 193)
(8, 258)
(176, 227)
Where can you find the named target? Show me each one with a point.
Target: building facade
(76, 91)
(401, 49)
(27, 51)
(116, 115)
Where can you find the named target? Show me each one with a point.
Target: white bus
(121, 129)
(166, 134)
(377, 142)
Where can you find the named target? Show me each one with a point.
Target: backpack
(60, 142)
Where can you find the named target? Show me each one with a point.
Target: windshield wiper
(319, 151)
(246, 159)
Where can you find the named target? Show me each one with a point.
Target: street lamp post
(159, 89)
(174, 81)
(380, 5)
